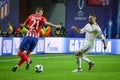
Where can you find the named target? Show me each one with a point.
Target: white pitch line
(36, 58)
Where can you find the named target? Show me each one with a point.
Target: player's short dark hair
(61, 23)
(39, 9)
(92, 15)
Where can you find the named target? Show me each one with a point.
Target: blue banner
(74, 44)
(7, 46)
(9, 12)
(10, 46)
(77, 12)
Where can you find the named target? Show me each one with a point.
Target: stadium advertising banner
(40, 48)
(9, 46)
(16, 44)
(9, 12)
(75, 44)
(4, 8)
(0, 46)
(55, 45)
(106, 11)
(71, 45)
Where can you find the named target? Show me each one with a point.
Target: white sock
(86, 59)
(78, 61)
(17, 66)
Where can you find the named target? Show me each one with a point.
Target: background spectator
(9, 32)
(24, 30)
(60, 32)
(10, 28)
(117, 36)
(0, 31)
(18, 32)
(45, 31)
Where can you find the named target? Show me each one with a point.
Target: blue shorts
(28, 43)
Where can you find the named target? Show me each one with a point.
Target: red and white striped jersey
(34, 23)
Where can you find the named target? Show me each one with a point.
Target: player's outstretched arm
(53, 25)
(23, 25)
(104, 42)
(103, 38)
(76, 29)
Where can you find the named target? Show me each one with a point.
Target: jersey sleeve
(27, 20)
(44, 20)
(83, 29)
(100, 34)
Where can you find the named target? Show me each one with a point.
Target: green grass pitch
(60, 66)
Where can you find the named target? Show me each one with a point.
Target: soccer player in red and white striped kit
(34, 23)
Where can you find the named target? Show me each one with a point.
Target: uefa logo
(80, 13)
(4, 8)
(81, 6)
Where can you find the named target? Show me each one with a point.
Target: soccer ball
(38, 68)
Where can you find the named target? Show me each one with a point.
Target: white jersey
(92, 31)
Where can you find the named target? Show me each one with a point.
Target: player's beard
(90, 22)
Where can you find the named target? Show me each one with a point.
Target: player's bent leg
(15, 68)
(29, 61)
(20, 54)
(28, 64)
(21, 61)
(91, 64)
(78, 53)
(28, 53)
(78, 61)
(84, 58)
(77, 70)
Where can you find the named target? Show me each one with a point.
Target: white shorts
(87, 47)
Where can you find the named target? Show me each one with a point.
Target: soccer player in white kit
(92, 31)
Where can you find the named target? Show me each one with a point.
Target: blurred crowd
(46, 31)
(21, 31)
